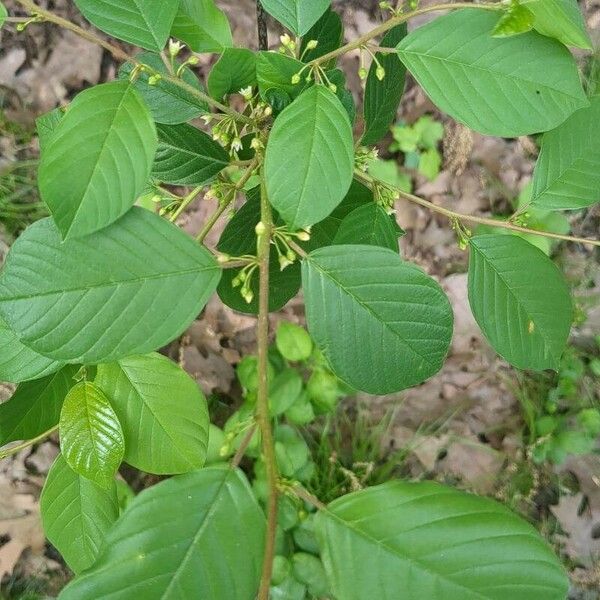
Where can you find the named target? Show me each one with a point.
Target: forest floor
(466, 426)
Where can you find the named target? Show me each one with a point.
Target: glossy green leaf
(297, 15)
(168, 103)
(202, 26)
(145, 23)
(395, 322)
(293, 342)
(128, 289)
(498, 86)
(91, 438)
(199, 535)
(35, 406)
(234, 71)
(19, 362)
(46, 125)
(567, 174)
(369, 225)
(516, 19)
(310, 158)
(239, 238)
(187, 156)
(560, 19)
(103, 147)
(520, 300)
(274, 73)
(328, 32)
(162, 411)
(76, 514)
(424, 540)
(382, 97)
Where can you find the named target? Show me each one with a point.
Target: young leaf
(145, 23)
(128, 289)
(293, 342)
(397, 321)
(234, 71)
(202, 26)
(284, 391)
(46, 125)
(104, 147)
(560, 19)
(187, 156)
(382, 96)
(310, 158)
(369, 225)
(274, 73)
(35, 406)
(203, 532)
(169, 103)
(297, 15)
(19, 362)
(328, 32)
(516, 19)
(567, 174)
(498, 86)
(434, 542)
(162, 412)
(239, 238)
(520, 300)
(91, 438)
(76, 514)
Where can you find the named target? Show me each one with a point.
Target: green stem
(16, 449)
(185, 202)
(397, 20)
(472, 218)
(119, 54)
(262, 396)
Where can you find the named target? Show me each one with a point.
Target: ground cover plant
(91, 293)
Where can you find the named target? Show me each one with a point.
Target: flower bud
(312, 44)
(154, 79)
(193, 60)
(380, 72)
(303, 236)
(296, 79)
(260, 229)
(333, 88)
(248, 296)
(175, 47)
(223, 258)
(363, 73)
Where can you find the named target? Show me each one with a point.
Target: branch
(473, 219)
(397, 20)
(16, 449)
(261, 23)
(262, 396)
(119, 54)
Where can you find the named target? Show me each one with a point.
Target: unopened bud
(248, 296)
(363, 73)
(380, 72)
(333, 88)
(268, 111)
(154, 79)
(260, 229)
(296, 79)
(312, 44)
(223, 258)
(303, 236)
(192, 60)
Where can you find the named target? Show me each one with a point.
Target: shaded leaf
(235, 70)
(328, 32)
(274, 73)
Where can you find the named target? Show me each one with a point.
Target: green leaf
(91, 438)
(103, 147)
(168, 103)
(3, 14)
(382, 97)
(162, 411)
(239, 238)
(284, 390)
(515, 20)
(560, 19)
(430, 162)
(35, 406)
(187, 156)
(520, 300)
(19, 362)
(308, 569)
(145, 23)
(506, 87)
(567, 174)
(274, 73)
(369, 225)
(310, 158)
(46, 125)
(328, 32)
(128, 289)
(202, 26)
(234, 71)
(293, 342)
(434, 542)
(397, 321)
(297, 15)
(291, 450)
(76, 514)
(202, 537)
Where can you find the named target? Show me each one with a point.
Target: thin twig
(185, 202)
(261, 24)
(451, 214)
(397, 20)
(262, 395)
(307, 497)
(16, 449)
(120, 54)
(237, 459)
